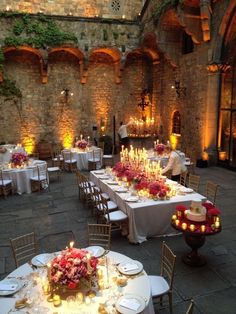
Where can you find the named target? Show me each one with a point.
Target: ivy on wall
(164, 6)
(37, 32)
(8, 89)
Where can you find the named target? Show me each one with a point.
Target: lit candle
(100, 273)
(56, 300)
(217, 224)
(203, 228)
(79, 297)
(177, 222)
(49, 271)
(81, 136)
(184, 226)
(101, 284)
(87, 300)
(46, 288)
(192, 227)
(71, 244)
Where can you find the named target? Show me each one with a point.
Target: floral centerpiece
(82, 144)
(160, 148)
(72, 269)
(19, 158)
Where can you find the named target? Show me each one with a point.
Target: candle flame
(72, 244)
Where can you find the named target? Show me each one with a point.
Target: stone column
(215, 71)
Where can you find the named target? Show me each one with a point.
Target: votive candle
(203, 228)
(217, 224)
(177, 222)
(192, 227)
(184, 226)
(174, 217)
(56, 300)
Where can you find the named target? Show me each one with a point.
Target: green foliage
(164, 6)
(9, 89)
(38, 32)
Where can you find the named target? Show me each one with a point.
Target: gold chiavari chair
(211, 191)
(193, 182)
(24, 248)
(39, 181)
(162, 285)
(190, 308)
(5, 185)
(99, 234)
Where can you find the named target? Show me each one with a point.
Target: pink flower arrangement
(71, 266)
(18, 158)
(82, 144)
(160, 148)
(181, 208)
(211, 209)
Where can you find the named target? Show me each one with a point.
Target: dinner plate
(17, 283)
(96, 251)
(112, 182)
(104, 177)
(186, 190)
(132, 199)
(125, 302)
(130, 267)
(121, 190)
(41, 260)
(99, 172)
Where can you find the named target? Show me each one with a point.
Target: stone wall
(92, 8)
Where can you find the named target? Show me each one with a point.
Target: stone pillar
(215, 71)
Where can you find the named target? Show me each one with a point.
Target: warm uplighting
(68, 140)
(29, 144)
(205, 155)
(222, 156)
(174, 140)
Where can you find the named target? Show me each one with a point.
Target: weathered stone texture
(84, 8)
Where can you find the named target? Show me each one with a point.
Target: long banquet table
(147, 217)
(31, 280)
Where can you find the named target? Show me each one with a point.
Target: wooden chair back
(24, 248)
(190, 308)
(5, 188)
(183, 178)
(99, 234)
(193, 182)
(211, 191)
(168, 260)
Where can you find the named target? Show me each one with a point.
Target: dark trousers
(176, 178)
(125, 141)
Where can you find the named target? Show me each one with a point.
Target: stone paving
(56, 214)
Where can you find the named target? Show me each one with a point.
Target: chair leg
(170, 302)
(161, 301)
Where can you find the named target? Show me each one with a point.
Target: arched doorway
(227, 109)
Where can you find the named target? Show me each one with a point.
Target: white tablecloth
(146, 218)
(82, 157)
(138, 285)
(6, 157)
(21, 176)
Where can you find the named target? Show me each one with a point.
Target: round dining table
(111, 297)
(82, 156)
(21, 176)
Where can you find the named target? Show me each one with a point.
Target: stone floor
(56, 214)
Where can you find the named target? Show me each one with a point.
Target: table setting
(20, 169)
(106, 282)
(139, 189)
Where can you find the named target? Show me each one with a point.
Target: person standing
(123, 134)
(174, 164)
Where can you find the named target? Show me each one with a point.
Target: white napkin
(95, 251)
(8, 286)
(131, 304)
(129, 266)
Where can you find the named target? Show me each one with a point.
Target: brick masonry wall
(82, 8)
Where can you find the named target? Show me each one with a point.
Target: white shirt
(123, 131)
(174, 164)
